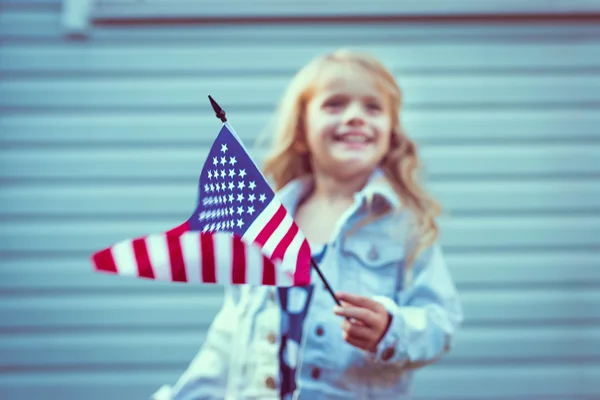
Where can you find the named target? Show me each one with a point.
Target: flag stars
(252, 185)
(215, 161)
(262, 198)
(242, 173)
(240, 223)
(251, 197)
(241, 185)
(232, 161)
(240, 197)
(223, 186)
(210, 175)
(231, 173)
(223, 174)
(223, 148)
(230, 198)
(240, 210)
(223, 161)
(231, 185)
(250, 210)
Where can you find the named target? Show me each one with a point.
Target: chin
(354, 167)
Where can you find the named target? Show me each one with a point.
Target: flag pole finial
(218, 110)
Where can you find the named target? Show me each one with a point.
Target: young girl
(346, 171)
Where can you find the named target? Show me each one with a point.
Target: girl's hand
(366, 320)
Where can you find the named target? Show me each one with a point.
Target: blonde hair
(401, 164)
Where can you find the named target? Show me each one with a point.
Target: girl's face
(348, 123)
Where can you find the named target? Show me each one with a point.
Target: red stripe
(104, 261)
(238, 269)
(268, 272)
(302, 274)
(284, 243)
(270, 227)
(142, 258)
(178, 273)
(207, 266)
(179, 230)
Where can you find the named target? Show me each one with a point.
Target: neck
(333, 189)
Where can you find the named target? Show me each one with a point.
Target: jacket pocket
(378, 261)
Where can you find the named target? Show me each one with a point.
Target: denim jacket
(239, 358)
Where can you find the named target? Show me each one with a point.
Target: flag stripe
(190, 246)
(254, 264)
(269, 277)
(125, 259)
(176, 258)
(238, 273)
(285, 242)
(159, 257)
(290, 263)
(223, 257)
(142, 258)
(302, 275)
(270, 227)
(104, 261)
(255, 228)
(208, 259)
(276, 236)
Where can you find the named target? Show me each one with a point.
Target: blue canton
(232, 192)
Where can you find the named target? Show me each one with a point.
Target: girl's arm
(206, 376)
(425, 316)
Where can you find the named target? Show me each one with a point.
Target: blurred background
(105, 123)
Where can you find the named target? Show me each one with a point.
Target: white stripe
(158, 252)
(190, 247)
(290, 260)
(124, 258)
(223, 257)
(254, 264)
(279, 233)
(260, 222)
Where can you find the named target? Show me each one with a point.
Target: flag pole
(220, 113)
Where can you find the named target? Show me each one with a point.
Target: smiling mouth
(352, 138)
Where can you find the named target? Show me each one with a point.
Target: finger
(361, 344)
(355, 331)
(358, 301)
(367, 317)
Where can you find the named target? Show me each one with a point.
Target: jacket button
(320, 331)
(388, 353)
(270, 382)
(271, 338)
(315, 373)
(373, 253)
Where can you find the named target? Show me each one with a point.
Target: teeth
(353, 138)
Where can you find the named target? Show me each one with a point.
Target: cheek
(321, 128)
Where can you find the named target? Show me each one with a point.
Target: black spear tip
(218, 110)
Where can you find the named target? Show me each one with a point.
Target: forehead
(346, 78)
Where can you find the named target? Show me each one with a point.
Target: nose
(354, 114)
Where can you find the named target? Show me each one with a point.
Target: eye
(374, 107)
(334, 103)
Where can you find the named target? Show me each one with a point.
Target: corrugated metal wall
(103, 139)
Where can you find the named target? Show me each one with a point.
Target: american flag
(239, 233)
